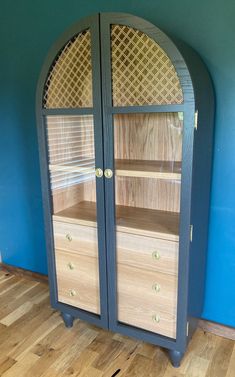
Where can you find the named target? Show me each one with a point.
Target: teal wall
(27, 30)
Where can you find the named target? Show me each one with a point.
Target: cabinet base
(175, 357)
(68, 319)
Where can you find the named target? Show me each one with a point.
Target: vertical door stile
(100, 203)
(108, 164)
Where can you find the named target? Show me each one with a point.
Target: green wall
(28, 28)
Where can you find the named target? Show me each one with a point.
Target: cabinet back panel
(149, 193)
(72, 195)
(151, 136)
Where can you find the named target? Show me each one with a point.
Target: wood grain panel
(159, 194)
(148, 136)
(139, 303)
(78, 238)
(147, 253)
(82, 280)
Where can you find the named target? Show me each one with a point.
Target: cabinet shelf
(148, 169)
(128, 168)
(143, 221)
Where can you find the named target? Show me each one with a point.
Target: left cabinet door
(70, 126)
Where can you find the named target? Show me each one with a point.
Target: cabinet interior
(147, 164)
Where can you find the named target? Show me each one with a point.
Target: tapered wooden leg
(175, 357)
(68, 319)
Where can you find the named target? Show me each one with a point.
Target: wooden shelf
(141, 221)
(148, 169)
(129, 168)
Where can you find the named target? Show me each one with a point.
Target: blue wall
(28, 29)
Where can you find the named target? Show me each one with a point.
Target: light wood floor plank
(20, 368)
(231, 367)
(16, 314)
(5, 364)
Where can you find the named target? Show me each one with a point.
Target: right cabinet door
(146, 127)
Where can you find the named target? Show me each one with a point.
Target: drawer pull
(71, 266)
(156, 318)
(156, 287)
(69, 237)
(156, 255)
(72, 292)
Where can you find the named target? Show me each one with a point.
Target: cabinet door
(144, 125)
(72, 118)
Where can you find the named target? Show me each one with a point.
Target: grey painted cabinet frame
(195, 182)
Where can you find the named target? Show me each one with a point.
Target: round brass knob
(69, 237)
(72, 292)
(71, 266)
(108, 173)
(156, 255)
(156, 287)
(99, 173)
(156, 318)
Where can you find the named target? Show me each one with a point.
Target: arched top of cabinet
(100, 35)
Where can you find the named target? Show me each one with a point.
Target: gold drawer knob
(156, 318)
(69, 237)
(108, 173)
(71, 266)
(99, 173)
(156, 287)
(156, 255)
(72, 292)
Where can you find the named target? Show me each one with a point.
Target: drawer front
(78, 280)
(147, 253)
(74, 237)
(147, 299)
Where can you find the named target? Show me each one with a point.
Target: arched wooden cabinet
(125, 124)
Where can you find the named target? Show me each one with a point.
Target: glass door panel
(148, 155)
(71, 152)
(72, 167)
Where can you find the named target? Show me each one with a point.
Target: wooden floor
(34, 342)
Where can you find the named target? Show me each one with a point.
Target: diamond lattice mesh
(142, 73)
(69, 83)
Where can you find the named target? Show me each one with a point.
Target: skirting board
(24, 273)
(215, 328)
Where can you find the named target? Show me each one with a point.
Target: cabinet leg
(68, 319)
(175, 357)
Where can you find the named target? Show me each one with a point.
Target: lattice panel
(142, 73)
(69, 83)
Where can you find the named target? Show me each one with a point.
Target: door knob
(108, 173)
(99, 173)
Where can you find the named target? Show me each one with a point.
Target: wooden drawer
(147, 299)
(148, 253)
(74, 237)
(78, 280)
